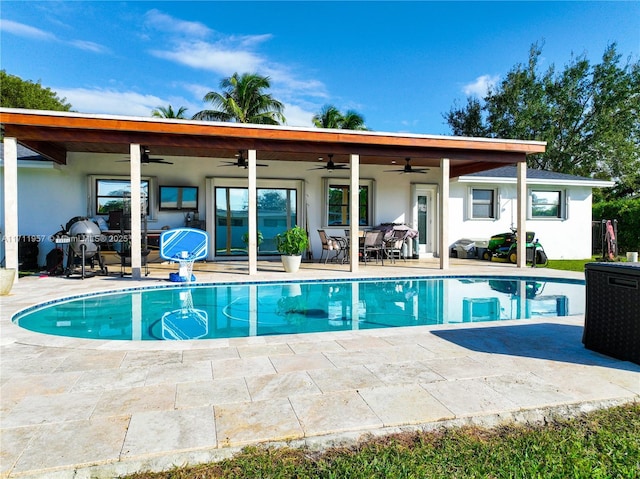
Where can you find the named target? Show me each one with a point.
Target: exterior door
(423, 219)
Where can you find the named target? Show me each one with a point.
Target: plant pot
(7, 276)
(291, 290)
(291, 263)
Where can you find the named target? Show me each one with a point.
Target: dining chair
(373, 243)
(395, 244)
(329, 244)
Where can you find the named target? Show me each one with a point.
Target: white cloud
(23, 30)
(251, 40)
(226, 55)
(207, 56)
(480, 86)
(27, 31)
(198, 91)
(298, 116)
(89, 46)
(114, 102)
(156, 19)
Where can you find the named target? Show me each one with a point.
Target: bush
(627, 212)
(292, 242)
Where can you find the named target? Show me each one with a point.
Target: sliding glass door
(277, 211)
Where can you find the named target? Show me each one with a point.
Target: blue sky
(402, 65)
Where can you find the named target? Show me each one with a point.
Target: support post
(253, 213)
(136, 213)
(443, 214)
(522, 214)
(9, 235)
(354, 214)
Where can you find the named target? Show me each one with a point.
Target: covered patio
(56, 136)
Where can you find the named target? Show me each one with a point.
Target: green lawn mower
(504, 247)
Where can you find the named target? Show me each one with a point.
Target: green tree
(330, 117)
(467, 121)
(243, 100)
(18, 93)
(588, 115)
(168, 112)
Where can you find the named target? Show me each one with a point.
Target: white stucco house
(558, 208)
(230, 179)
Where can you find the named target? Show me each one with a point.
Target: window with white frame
(483, 203)
(109, 193)
(546, 204)
(337, 202)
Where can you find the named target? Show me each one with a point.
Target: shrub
(627, 212)
(292, 242)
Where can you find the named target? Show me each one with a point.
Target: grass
(600, 444)
(569, 264)
(574, 264)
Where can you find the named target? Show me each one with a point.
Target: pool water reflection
(241, 310)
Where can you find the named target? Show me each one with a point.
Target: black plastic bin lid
(632, 269)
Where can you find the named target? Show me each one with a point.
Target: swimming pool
(208, 311)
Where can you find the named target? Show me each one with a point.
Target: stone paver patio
(74, 408)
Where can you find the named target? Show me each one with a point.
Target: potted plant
(245, 238)
(291, 244)
(7, 276)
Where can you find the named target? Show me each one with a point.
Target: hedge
(627, 212)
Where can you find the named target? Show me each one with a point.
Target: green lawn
(601, 444)
(574, 264)
(569, 264)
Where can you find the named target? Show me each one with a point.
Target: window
(277, 212)
(178, 197)
(112, 193)
(546, 204)
(483, 203)
(338, 203)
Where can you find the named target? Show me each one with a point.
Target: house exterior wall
(566, 238)
(49, 198)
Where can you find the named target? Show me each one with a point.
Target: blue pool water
(240, 310)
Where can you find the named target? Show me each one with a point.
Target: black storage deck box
(612, 313)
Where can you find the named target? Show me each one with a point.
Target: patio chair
(330, 244)
(394, 245)
(373, 243)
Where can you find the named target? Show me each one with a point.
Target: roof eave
(535, 181)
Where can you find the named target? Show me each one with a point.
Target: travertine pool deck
(73, 408)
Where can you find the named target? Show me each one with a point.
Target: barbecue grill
(84, 247)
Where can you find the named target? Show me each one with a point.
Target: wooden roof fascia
(206, 146)
(254, 132)
(489, 164)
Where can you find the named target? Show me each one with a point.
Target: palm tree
(167, 112)
(243, 101)
(353, 120)
(330, 117)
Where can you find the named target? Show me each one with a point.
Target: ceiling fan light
(330, 166)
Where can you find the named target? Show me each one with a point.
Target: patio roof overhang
(54, 134)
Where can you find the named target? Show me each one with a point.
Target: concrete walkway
(73, 408)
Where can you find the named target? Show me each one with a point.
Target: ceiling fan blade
(330, 168)
(408, 168)
(330, 165)
(148, 160)
(238, 164)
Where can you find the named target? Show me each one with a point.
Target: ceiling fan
(410, 169)
(241, 162)
(145, 159)
(330, 166)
